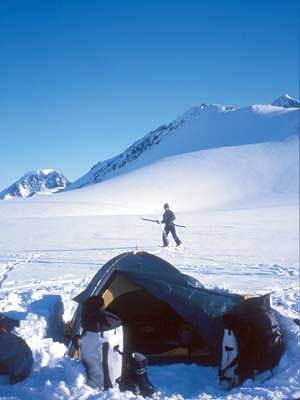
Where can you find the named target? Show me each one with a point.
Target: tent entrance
(153, 328)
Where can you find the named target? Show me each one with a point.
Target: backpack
(102, 353)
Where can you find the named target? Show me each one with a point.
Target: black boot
(139, 369)
(127, 381)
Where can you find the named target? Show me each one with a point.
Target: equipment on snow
(102, 334)
(229, 362)
(135, 377)
(256, 341)
(101, 354)
(15, 355)
(101, 348)
(140, 376)
(171, 318)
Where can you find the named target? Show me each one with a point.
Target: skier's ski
(172, 248)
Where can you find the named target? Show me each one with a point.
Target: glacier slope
(226, 177)
(201, 127)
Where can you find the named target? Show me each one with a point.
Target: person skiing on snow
(168, 219)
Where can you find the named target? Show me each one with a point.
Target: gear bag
(15, 355)
(252, 344)
(101, 353)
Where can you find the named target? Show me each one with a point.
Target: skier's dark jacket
(168, 217)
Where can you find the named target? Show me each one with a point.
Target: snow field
(48, 260)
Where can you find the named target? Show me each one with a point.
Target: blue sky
(81, 80)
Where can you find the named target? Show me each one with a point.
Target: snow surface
(241, 208)
(250, 250)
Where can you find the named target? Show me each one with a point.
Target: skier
(168, 219)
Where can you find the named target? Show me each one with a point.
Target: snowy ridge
(44, 181)
(286, 101)
(201, 127)
(112, 166)
(226, 177)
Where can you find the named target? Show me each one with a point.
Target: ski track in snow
(10, 265)
(34, 273)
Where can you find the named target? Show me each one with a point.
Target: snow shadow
(51, 308)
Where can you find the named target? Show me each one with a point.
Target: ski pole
(180, 226)
(150, 220)
(158, 222)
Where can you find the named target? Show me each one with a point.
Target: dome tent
(171, 317)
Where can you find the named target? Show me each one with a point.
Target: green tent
(171, 317)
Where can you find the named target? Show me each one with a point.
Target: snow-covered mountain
(286, 101)
(202, 127)
(41, 181)
(213, 179)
